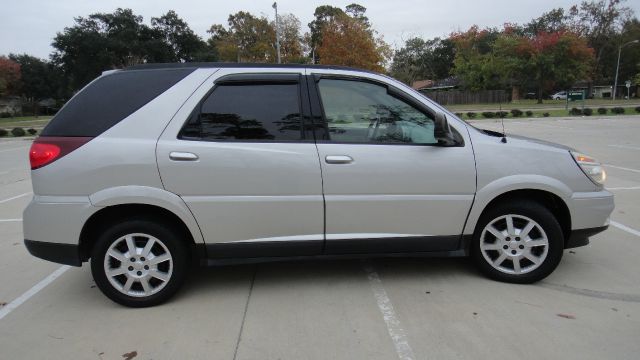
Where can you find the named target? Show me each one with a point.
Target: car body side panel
(521, 164)
(397, 191)
(121, 156)
(245, 192)
(148, 196)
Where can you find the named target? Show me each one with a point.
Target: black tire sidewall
(166, 234)
(539, 214)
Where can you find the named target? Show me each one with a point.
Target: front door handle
(182, 156)
(338, 159)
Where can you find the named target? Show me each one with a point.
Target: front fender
(510, 183)
(146, 195)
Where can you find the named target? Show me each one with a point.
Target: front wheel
(139, 263)
(518, 242)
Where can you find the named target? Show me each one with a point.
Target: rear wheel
(139, 263)
(519, 242)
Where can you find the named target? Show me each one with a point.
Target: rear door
(388, 185)
(242, 160)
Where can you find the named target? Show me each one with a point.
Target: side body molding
(149, 196)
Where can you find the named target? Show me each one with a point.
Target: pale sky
(29, 26)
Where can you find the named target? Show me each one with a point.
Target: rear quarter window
(109, 99)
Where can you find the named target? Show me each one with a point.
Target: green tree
(423, 59)
(39, 79)
(557, 59)
(185, 44)
(474, 61)
(248, 38)
(322, 15)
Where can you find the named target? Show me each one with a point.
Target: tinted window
(109, 99)
(363, 112)
(268, 112)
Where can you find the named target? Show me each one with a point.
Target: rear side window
(259, 112)
(110, 99)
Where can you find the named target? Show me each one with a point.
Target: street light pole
(615, 83)
(275, 6)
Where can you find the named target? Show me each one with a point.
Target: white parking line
(622, 168)
(15, 197)
(7, 309)
(625, 147)
(625, 228)
(625, 188)
(394, 328)
(10, 220)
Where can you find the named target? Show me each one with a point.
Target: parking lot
(589, 308)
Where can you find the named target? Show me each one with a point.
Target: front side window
(364, 112)
(261, 112)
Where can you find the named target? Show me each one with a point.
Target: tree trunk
(515, 93)
(540, 87)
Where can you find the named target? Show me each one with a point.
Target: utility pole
(615, 83)
(275, 6)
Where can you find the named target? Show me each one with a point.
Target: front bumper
(67, 254)
(580, 237)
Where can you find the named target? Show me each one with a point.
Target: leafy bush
(575, 111)
(5, 115)
(3, 132)
(638, 109)
(488, 114)
(17, 132)
(617, 110)
(459, 115)
(32, 131)
(501, 114)
(516, 112)
(587, 111)
(529, 113)
(471, 115)
(545, 114)
(602, 111)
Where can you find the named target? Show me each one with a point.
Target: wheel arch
(128, 201)
(551, 194)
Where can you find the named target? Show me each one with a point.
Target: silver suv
(155, 167)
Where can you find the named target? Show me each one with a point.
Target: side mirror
(442, 131)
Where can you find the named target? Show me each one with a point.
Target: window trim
(391, 90)
(243, 79)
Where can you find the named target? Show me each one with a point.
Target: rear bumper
(67, 254)
(580, 237)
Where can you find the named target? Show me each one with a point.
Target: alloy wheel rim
(138, 265)
(514, 244)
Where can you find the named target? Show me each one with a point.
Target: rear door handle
(182, 156)
(338, 159)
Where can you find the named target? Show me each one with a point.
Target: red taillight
(47, 149)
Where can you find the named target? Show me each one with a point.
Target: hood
(543, 142)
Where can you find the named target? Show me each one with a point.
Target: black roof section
(196, 65)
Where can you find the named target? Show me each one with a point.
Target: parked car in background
(560, 95)
(155, 167)
(530, 96)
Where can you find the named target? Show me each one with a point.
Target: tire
(154, 275)
(521, 260)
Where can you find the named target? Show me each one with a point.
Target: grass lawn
(540, 114)
(532, 104)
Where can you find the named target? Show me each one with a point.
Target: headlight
(591, 167)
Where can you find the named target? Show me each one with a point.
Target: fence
(453, 97)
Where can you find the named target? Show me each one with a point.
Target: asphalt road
(589, 308)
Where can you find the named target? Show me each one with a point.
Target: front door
(388, 185)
